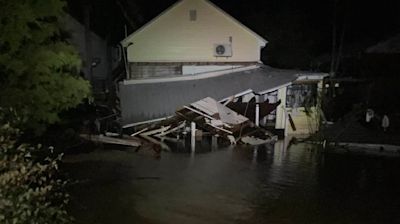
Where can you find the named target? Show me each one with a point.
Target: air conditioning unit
(222, 50)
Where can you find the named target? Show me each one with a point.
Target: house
(192, 36)
(194, 50)
(93, 51)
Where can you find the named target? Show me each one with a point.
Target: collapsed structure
(195, 50)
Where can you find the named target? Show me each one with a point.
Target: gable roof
(124, 42)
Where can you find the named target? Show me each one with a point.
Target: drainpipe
(124, 58)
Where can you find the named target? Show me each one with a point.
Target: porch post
(193, 136)
(257, 121)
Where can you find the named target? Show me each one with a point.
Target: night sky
(299, 32)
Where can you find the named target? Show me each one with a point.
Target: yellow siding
(305, 124)
(174, 38)
(280, 110)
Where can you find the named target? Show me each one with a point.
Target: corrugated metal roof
(141, 102)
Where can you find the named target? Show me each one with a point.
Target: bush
(30, 189)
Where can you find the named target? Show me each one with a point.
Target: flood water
(268, 184)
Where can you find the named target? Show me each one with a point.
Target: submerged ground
(268, 184)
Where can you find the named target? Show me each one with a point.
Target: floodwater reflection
(235, 184)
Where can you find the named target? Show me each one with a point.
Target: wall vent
(193, 15)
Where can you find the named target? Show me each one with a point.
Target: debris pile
(231, 121)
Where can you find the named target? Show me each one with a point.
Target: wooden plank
(153, 132)
(155, 141)
(112, 134)
(139, 132)
(111, 140)
(171, 130)
(207, 105)
(210, 106)
(221, 129)
(145, 122)
(164, 138)
(229, 116)
(199, 112)
(257, 141)
(211, 118)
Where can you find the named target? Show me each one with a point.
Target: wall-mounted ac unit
(222, 50)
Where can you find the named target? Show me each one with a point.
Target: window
(270, 119)
(193, 15)
(301, 95)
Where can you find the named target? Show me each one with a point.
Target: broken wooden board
(203, 120)
(229, 116)
(146, 122)
(171, 130)
(216, 110)
(161, 130)
(209, 115)
(207, 105)
(212, 116)
(251, 140)
(111, 140)
(139, 132)
(171, 122)
(155, 141)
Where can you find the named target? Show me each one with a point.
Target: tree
(38, 69)
(292, 42)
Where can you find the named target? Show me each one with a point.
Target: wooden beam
(155, 141)
(155, 131)
(111, 140)
(162, 134)
(145, 122)
(139, 132)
